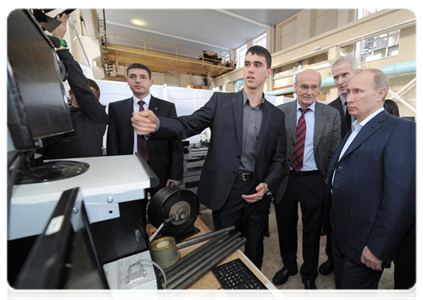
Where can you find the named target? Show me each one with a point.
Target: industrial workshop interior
(86, 210)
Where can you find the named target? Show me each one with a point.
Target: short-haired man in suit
(313, 133)
(343, 69)
(371, 195)
(164, 157)
(246, 156)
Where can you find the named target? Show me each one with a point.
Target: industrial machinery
(173, 211)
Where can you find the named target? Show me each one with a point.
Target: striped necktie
(142, 143)
(298, 155)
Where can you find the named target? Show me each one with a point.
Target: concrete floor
(272, 261)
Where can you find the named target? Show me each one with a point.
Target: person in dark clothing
(89, 117)
(391, 107)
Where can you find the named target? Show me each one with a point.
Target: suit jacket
(166, 157)
(327, 137)
(372, 199)
(337, 103)
(223, 113)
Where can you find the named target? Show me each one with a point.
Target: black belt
(245, 176)
(302, 173)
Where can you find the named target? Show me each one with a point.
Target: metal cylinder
(165, 252)
(196, 253)
(202, 238)
(194, 262)
(216, 256)
(210, 265)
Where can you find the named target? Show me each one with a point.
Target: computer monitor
(64, 255)
(38, 111)
(35, 88)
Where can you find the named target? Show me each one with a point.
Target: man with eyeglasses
(313, 133)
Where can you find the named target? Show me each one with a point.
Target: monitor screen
(36, 80)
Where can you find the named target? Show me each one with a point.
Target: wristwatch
(63, 43)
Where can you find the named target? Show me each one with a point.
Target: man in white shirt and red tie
(313, 134)
(164, 157)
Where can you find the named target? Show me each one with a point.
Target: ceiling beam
(242, 18)
(166, 35)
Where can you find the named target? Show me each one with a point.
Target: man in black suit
(343, 69)
(246, 157)
(164, 157)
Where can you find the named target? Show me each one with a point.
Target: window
(383, 45)
(364, 12)
(226, 59)
(261, 40)
(239, 85)
(241, 56)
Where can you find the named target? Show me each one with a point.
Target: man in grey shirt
(246, 157)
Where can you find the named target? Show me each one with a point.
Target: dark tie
(141, 142)
(347, 117)
(298, 155)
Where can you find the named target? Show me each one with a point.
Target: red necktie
(141, 142)
(298, 155)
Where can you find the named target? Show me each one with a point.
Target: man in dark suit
(164, 157)
(343, 69)
(313, 133)
(246, 156)
(371, 192)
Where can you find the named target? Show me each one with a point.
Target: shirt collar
(311, 107)
(146, 99)
(245, 98)
(367, 120)
(343, 99)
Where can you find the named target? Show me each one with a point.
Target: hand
(261, 190)
(60, 30)
(370, 260)
(144, 122)
(175, 182)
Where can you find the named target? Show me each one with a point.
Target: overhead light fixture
(138, 22)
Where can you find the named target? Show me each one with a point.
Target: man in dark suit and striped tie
(313, 133)
(343, 69)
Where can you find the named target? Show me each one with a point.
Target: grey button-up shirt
(251, 123)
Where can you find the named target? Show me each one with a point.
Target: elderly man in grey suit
(313, 133)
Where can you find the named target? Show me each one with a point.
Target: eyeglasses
(305, 88)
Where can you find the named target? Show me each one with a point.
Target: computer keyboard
(236, 275)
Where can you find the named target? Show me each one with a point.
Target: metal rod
(227, 247)
(194, 262)
(195, 253)
(202, 238)
(208, 265)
